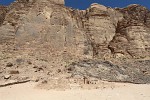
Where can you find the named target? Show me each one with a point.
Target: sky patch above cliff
(6, 2)
(83, 4)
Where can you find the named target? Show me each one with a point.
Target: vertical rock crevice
(131, 34)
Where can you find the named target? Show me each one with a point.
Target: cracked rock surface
(132, 72)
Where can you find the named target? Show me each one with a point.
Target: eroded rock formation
(132, 32)
(98, 31)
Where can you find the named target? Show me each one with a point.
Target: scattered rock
(19, 60)
(44, 82)
(7, 76)
(39, 69)
(13, 82)
(29, 62)
(9, 64)
(35, 66)
(14, 72)
(59, 71)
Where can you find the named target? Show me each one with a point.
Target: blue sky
(6, 2)
(83, 4)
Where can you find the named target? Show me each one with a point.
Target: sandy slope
(28, 91)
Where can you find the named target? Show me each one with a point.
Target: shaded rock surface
(3, 11)
(132, 33)
(132, 72)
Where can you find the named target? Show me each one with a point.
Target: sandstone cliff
(46, 32)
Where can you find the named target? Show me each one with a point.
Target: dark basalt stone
(137, 72)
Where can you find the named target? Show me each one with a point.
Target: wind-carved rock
(49, 27)
(132, 33)
(100, 27)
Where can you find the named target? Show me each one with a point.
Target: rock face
(48, 1)
(132, 33)
(100, 28)
(3, 11)
(48, 31)
(98, 32)
(133, 72)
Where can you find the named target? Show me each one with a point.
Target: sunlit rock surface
(52, 35)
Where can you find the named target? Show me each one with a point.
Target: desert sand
(29, 91)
